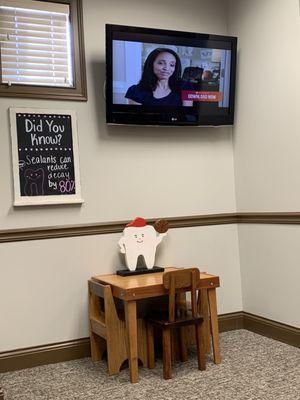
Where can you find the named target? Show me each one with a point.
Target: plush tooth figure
(139, 239)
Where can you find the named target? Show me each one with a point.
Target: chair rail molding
(101, 228)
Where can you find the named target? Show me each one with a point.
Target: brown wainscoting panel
(272, 329)
(41, 355)
(15, 235)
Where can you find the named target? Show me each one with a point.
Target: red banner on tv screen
(195, 95)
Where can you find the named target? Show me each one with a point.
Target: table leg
(212, 301)
(205, 312)
(131, 330)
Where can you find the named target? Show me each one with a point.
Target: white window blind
(35, 43)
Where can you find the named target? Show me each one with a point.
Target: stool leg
(98, 347)
(167, 355)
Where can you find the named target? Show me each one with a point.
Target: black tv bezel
(164, 116)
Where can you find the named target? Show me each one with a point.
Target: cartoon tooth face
(34, 182)
(139, 239)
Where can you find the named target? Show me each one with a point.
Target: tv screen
(162, 77)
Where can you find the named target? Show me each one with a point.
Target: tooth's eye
(135, 236)
(142, 235)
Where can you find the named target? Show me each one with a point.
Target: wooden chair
(185, 280)
(107, 329)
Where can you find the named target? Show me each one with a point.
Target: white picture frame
(37, 181)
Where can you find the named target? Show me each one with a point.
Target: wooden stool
(108, 332)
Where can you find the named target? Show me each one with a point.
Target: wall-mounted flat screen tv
(162, 77)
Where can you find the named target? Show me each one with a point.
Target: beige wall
(128, 171)
(269, 259)
(266, 133)
(45, 301)
(266, 152)
(125, 172)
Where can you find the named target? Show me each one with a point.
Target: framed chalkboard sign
(45, 156)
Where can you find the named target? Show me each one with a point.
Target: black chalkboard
(45, 155)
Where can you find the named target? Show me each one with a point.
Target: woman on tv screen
(161, 82)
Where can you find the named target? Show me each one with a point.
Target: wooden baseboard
(65, 351)
(272, 329)
(41, 355)
(231, 321)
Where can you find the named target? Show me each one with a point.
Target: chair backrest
(184, 279)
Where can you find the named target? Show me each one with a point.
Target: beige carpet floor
(253, 367)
